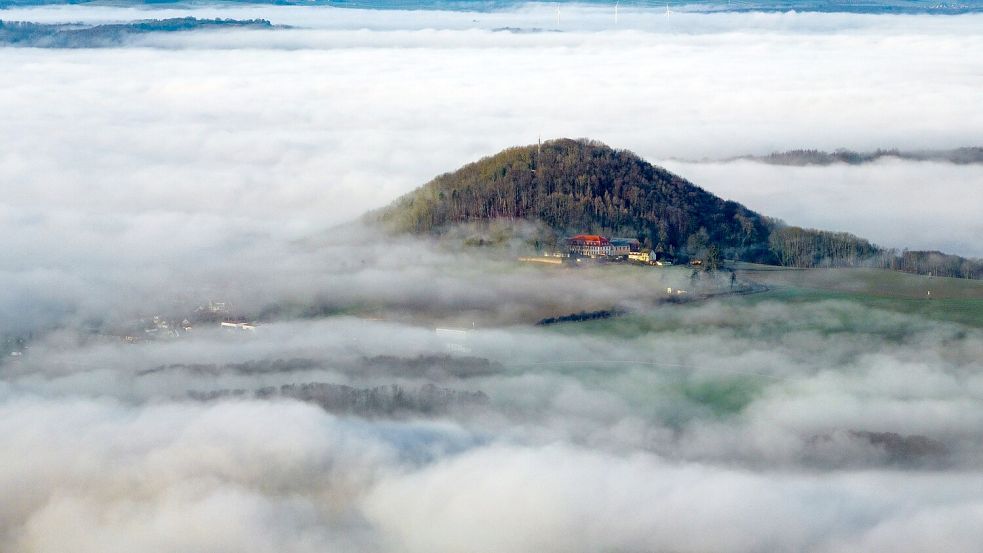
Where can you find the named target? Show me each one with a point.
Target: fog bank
(208, 177)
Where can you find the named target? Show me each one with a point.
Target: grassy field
(953, 300)
(939, 298)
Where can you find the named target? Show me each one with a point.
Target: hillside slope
(569, 186)
(574, 186)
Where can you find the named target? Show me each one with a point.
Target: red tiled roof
(589, 239)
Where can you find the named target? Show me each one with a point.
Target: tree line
(807, 248)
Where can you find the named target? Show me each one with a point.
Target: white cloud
(193, 164)
(894, 203)
(299, 130)
(556, 498)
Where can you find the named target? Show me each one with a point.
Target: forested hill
(575, 186)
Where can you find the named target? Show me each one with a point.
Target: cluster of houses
(597, 246)
(203, 316)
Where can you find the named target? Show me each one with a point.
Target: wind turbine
(668, 13)
(616, 12)
(558, 14)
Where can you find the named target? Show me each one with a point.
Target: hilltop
(566, 187)
(573, 186)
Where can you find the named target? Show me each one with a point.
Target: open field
(870, 282)
(951, 299)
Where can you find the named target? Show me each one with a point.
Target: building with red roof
(589, 245)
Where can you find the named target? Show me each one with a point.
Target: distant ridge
(692, 6)
(41, 35)
(959, 156)
(567, 186)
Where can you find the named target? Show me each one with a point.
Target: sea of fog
(703, 6)
(214, 175)
(726, 426)
(354, 107)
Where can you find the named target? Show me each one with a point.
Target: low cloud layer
(150, 179)
(206, 160)
(345, 118)
(894, 203)
(777, 426)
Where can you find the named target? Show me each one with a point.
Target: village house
(641, 257)
(595, 245)
(237, 325)
(625, 246)
(589, 245)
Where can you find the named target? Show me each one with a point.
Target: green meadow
(936, 298)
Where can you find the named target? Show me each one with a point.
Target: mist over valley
(309, 278)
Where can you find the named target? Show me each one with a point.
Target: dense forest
(935, 263)
(574, 186)
(583, 186)
(798, 247)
